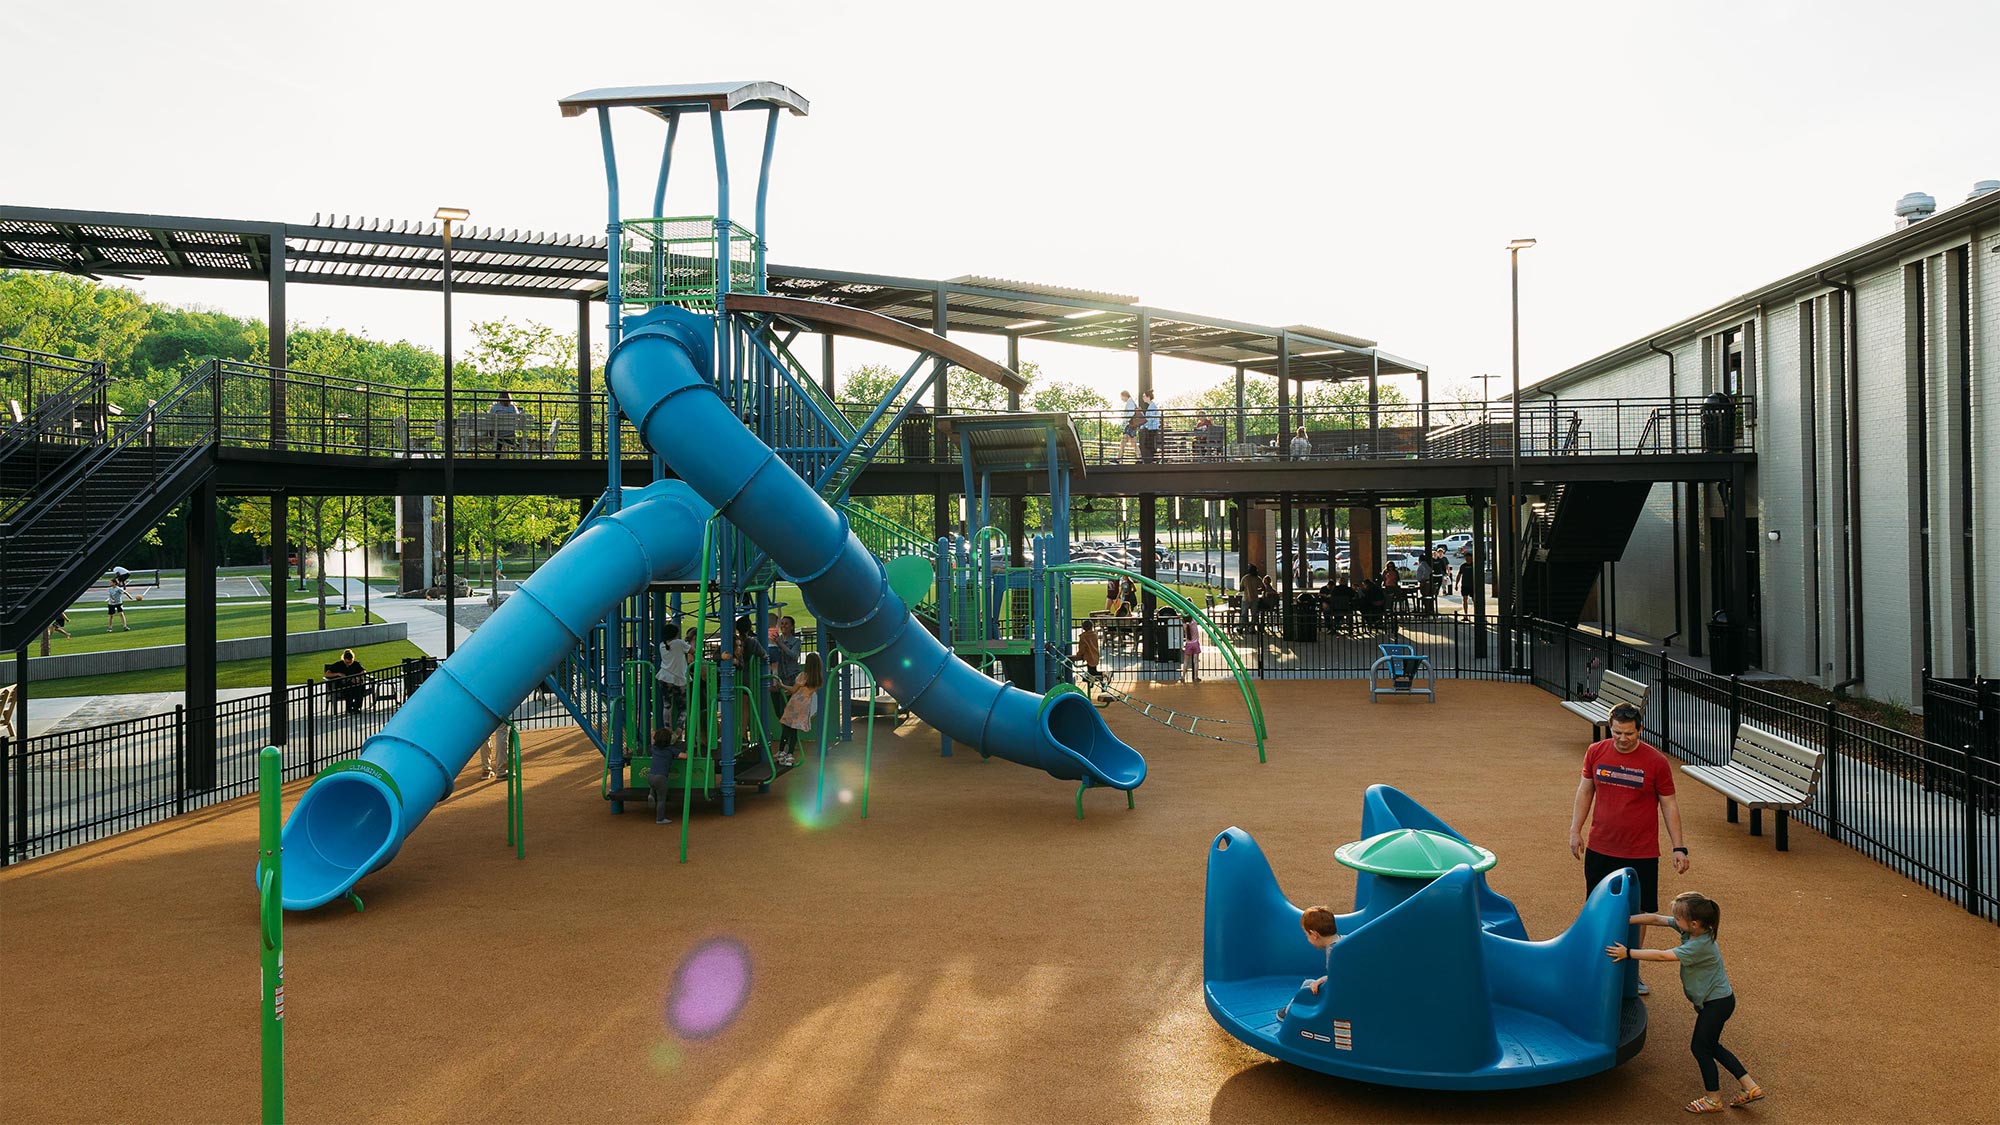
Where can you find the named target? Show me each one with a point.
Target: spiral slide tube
(357, 814)
(656, 374)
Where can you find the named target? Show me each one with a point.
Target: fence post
(180, 759)
(1971, 805)
(1735, 704)
(1830, 772)
(312, 727)
(1666, 703)
(21, 833)
(1568, 662)
(6, 806)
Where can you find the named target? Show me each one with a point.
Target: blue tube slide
(357, 814)
(656, 375)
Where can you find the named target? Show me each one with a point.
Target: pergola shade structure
(406, 254)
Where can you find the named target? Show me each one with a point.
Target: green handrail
(271, 928)
(709, 715)
(826, 726)
(517, 827)
(1174, 599)
(981, 573)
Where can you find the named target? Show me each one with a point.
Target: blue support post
(764, 190)
(613, 671)
(947, 588)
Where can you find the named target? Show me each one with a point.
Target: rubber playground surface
(971, 952)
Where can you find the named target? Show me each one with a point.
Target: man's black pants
(1596, 867)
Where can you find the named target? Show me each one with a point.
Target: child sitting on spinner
(1319, 924)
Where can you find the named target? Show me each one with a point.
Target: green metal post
(517, 827)
(271, 927)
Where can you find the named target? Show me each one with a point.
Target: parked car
(1320, 563)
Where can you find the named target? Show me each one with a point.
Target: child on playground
(799, 709)
(1191, 652)
(1322, 929)
(1698, 919)
(673, 677)
(1089, 649)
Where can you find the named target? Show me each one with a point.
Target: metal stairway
(1585, 525)
(62, 533)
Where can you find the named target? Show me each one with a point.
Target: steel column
(586, 440)
(940, 403)
(275, 328)
(281, 505)
(198, 674)
(1478, 591)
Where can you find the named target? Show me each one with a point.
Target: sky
(1359, 167)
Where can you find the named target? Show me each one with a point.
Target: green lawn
(166, 625)
(299, 668)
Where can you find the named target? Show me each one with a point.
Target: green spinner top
(1413, 853)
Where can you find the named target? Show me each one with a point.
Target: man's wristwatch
(1683, 851)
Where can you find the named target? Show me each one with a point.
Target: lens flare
(710, 989)
(666, 1057)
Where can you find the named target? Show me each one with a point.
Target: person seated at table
(507, 431)
(1207, 437)
(344, 676)
(1373, 600)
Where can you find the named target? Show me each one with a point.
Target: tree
(70, 315)
(485, 524)
(313, 523)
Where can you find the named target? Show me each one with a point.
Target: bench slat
(1745, 788)
(1595, 712)
(1779, 746)
(1745, 759)
(1614, 689)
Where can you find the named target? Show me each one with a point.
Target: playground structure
(1016, 618)
(1434, 982)
(762, 457)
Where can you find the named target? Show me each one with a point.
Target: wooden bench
(1765, 771)
(1612, 690)
(8, 701)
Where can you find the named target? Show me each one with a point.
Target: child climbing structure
(764, 458)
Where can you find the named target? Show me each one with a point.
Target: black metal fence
(1309, 648)
(64, 788)
(1921, 807)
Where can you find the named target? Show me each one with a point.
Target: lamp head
(1520, 244)
(453, 214)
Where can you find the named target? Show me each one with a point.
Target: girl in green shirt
(1698, 919)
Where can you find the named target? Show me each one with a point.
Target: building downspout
(1673, 439)
(1851, 516)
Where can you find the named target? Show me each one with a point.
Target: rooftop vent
(1914, 208)
(1983, 187)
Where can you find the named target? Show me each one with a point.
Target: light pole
(449, 215)
(1513, 623)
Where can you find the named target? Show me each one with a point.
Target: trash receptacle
(916, 432)
(1718, 423)
(1155, 647)
(1302, 623)
(1020, 669)
(1725, 650)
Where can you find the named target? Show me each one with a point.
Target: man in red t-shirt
(1631, 785)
